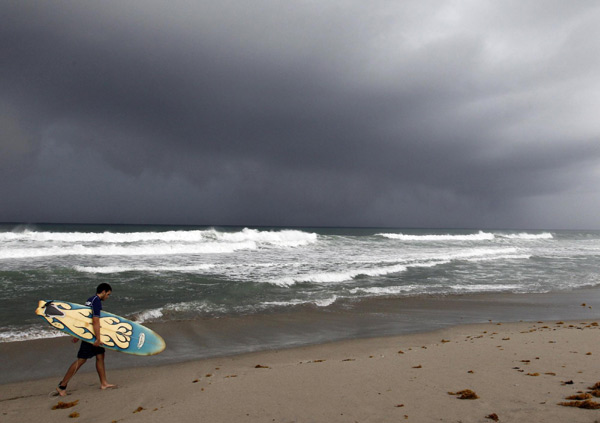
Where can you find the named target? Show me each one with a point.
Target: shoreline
(518, 371)
(372, 318)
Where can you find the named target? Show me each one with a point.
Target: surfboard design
(117, 333)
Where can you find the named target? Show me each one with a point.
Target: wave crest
(526, 236)
(31, 244)
(480, 236)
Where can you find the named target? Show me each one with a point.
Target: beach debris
(417, 367)
(583, 305)
(195, 380)
(525, 361)
(594, 324)
(471, 371)
(208, 375)
(349, 359)
(260, 366)
(318, 361)
(579, 397)
(229, 376)
(137, 410)
(587, 404)
(550, 373)
(533, 374)
(506, 339)
(568, 382)
(399, 405)
(493, 417)
(560, 323)
(74, 415)
(400, 352)
(443, 341)
(595, 386)
(588, 353)
(595, 393)
(62, 405)
(465, 394)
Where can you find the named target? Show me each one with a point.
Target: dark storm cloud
(304, 113)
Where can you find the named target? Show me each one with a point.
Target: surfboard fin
(51, 310)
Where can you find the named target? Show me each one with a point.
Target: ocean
(162, 274)
(220, 291)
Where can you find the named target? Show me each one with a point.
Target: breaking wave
(32, 244)
(480, 236)
(283, 237)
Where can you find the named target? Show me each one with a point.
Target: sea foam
(32, 244)
(122, 269)
(480, 236)
(283, 237)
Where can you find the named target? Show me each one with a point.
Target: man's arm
(96, 325)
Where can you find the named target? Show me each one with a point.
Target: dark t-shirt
(96, 304)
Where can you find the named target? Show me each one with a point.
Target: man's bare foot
(108, 386)
(61, 392)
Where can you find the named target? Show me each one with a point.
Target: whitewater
(185, 273)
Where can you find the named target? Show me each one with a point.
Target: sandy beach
(518, 371)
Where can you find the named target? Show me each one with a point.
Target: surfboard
(116, 332)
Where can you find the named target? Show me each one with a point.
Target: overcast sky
(264, 112)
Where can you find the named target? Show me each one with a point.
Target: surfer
(87, 350)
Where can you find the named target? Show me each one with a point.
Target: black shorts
(87, 350)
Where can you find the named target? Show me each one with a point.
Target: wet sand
(376, 317)
(518, 371)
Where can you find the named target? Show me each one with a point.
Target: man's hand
(97, 343)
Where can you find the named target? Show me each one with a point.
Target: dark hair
(103, 287)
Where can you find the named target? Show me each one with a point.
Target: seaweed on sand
(62, 405)
(465, 394)
(579, 397)
(587, 404)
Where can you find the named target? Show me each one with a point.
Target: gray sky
(353, 113)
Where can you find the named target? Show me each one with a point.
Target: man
(87, 350)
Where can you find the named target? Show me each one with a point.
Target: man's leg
(102, 372)
(62, 386)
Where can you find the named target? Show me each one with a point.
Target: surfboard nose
(40, 308)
